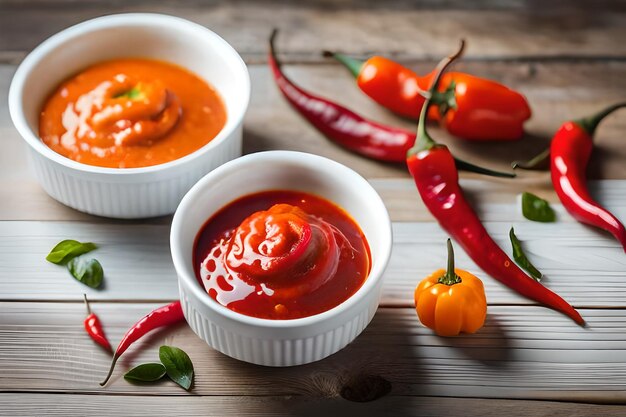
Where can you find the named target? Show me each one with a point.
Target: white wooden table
(568, 59)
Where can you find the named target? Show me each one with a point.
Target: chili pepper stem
(589, 124)
(533, 163)
(113, 362)
(87, 304)
(466, 166)
(445, 100)
(352, 64)
(450, 277)
(424, 141)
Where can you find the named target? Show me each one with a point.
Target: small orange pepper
(451, 301)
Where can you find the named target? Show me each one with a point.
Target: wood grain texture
(556, 91)
(521, 353)
(64, 405)
(399, 27)
(566, 56)
(135, 254)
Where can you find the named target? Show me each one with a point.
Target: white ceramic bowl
(280, 342)
(136, 192)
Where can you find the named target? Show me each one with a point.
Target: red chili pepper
(93, 327)
(350, 130)
(341, 125)
(570, 151)
(436, 178)
(161, 317)
(468, 107)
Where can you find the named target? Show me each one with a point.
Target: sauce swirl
(301, 256)
(131, 113)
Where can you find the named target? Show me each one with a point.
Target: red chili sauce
(281, 255)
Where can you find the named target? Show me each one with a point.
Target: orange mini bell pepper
(451, 301)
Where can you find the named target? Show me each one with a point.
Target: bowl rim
(233, 167)
(167, 22)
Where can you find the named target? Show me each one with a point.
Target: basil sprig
(67, 250)
(87, 271)
(146, 372)
(521, 259)
(175, 363)
(537, 209)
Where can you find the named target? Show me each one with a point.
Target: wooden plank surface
(399, 27)
(565, 56)
(522, 352)
(133, 255)
(271, 124)
(240, 406)
(556, 91)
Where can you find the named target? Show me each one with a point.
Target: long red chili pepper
(350, 130)
(436, 178)
(570, 151)
(94, 329)
(468, 107)
(161, 317)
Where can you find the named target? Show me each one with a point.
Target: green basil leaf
(177, 365)
(537, 209)
(67, 250)
(521, 259)
(146, 372)
(132, 94)
(87, 271)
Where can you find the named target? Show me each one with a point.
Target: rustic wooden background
(567, 57)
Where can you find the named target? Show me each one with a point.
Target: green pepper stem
(450, 277)
(445, 100)
(87, 304)
(533, 163)
(113, 362)
(466, 166)
(354, 65)
(423, 141)
(589, 124)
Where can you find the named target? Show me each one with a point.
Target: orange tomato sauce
(129, 113)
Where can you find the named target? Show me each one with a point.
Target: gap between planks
(14, 58)
(567, 252)
(556, 93)
(29, 404)
(522, 353)
(520, 28)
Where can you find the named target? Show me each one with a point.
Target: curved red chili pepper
(342, 125)
(160, 317)
(94, 329)
(468, 107)
(350, 130)
(436, 178)
(570, 151)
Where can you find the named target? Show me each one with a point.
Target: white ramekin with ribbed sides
(134, 192)
(280, 342)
